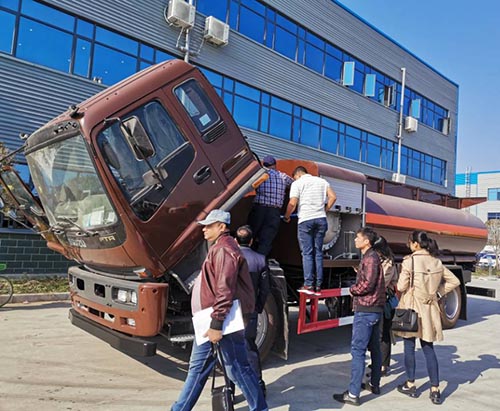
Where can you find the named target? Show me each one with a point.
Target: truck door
(209, 120)
(168, 190)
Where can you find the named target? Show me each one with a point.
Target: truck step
(181, 338)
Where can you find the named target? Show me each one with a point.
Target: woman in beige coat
(431, 280)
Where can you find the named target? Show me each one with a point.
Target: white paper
(232, 323)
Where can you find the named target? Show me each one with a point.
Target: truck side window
(172, 156)
(197, 105)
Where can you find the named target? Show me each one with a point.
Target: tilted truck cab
(124, 177)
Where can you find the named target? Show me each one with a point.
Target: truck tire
(451, 305)
(267, 326)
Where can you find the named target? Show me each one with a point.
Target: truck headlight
(125, 296)
(133, 297)
(122, 296)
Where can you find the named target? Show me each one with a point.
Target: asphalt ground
(48, 364)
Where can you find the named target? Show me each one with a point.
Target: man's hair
(299, 169)
(369, 234)
(244, 235)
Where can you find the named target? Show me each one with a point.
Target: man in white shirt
(314, 197)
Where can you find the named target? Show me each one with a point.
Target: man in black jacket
(368, 304)
(259, 272)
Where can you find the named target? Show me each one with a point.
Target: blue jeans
(311, 234)
(253, 351)
(201, 365)
(365, 335)
(430, 359)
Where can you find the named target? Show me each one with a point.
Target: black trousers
(265, 223)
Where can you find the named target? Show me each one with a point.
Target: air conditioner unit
(180, 14)
(411, 124)
(216, 31)
(399, 178)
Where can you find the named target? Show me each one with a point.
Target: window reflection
(112, 66)
(44, 45)
(7, 22)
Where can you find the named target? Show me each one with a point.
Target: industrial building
(481, 184)
(303, 79)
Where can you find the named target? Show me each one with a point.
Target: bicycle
(6, 287)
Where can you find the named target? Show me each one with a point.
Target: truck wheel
(451, 305)
(267, 327)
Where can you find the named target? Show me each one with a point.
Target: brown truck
(123, 177)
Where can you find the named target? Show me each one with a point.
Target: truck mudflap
(124, 343)
(484, 292)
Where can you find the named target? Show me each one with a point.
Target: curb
(31, 298)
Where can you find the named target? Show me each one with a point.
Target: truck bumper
(122, 342)
(95, 297)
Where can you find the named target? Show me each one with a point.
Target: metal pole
(186, 48)
(400, 124)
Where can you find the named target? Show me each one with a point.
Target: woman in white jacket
(431, 280)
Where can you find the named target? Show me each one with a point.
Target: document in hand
(232, 323)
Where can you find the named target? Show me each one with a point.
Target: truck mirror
(138, 138)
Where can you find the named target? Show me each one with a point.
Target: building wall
(31, 94)
(25, 252)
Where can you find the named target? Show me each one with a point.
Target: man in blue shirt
(265, 215)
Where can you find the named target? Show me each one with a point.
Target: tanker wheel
(451, 305)
(267, 326)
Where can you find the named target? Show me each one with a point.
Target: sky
(461, 40)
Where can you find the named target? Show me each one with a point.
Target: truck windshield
(68, 185)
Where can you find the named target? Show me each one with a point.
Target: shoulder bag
(222, 397)
(406, 319)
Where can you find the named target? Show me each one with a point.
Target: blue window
(112, 66)
(247, 91)
(348, 73)
(370, 82)
(309, 133)
(214, 78)
(280, 124)
(373, 152)
(285, 43)
(10, 4)
(329, 140)
(251, 24)
(147, 53)
(162, 56)
(85, 29)
(82, 58)
(7, 22)
(216, 8)
(494, 216)
(314, 58)
(48, 14)
(116, 41)
(493, 194)
(246, 112)
(44, 45)
(333, 67)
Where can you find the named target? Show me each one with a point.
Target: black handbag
(406, 319)
(222, 397)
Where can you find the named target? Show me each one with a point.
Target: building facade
(303, 79)
(481, 184)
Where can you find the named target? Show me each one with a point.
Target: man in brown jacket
(368, 304)
(224, 278)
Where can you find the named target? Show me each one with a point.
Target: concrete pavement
(49, 365)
